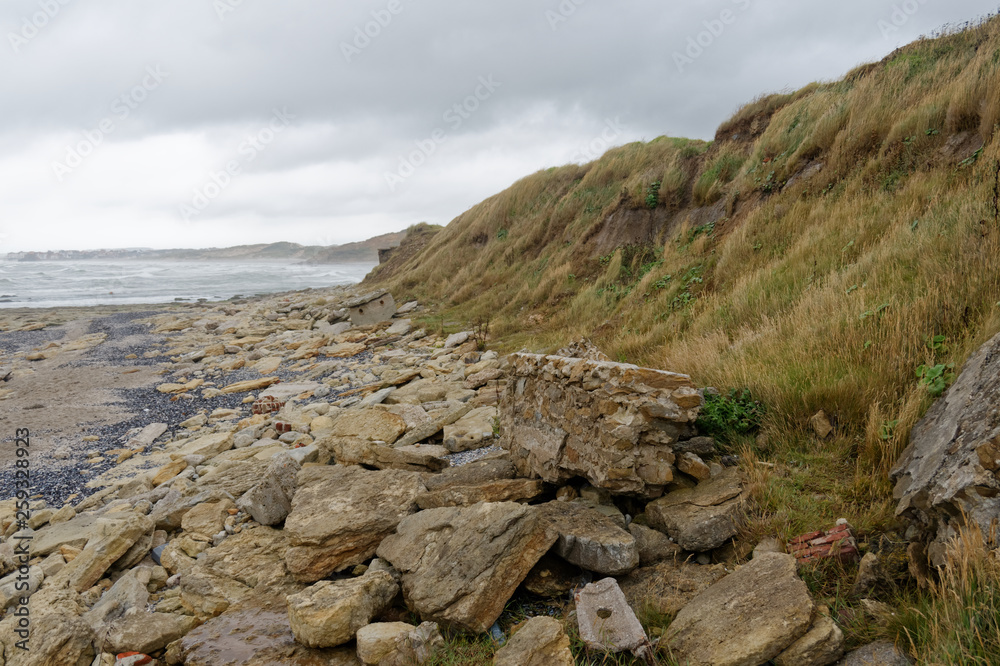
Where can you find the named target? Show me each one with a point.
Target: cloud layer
(200, 123)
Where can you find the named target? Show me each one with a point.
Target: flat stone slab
(590, 539)
(704, 517)
(747, 618)
(607, 622)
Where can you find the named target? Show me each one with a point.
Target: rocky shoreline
(286, 486)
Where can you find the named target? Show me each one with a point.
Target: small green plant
(495, 421)
(936, 378)
(653, 194)
(931, 132)
(937, 343)
(877, 311)
(727, 416)
(887, 430)
(502, 234)
(972, 159)
(481, 332)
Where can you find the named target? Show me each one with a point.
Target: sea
(53, 284)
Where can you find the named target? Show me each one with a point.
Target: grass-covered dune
(835, 248)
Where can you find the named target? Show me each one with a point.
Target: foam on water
(85, 283)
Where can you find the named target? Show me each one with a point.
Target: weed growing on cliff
(653, 194)
(481, 332)
(727, 416)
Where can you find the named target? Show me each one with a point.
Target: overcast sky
(197, 123)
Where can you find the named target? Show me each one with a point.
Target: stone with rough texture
(471, 474)
(378, 639)
(341, 514)
(704, 517)
(415, 458)
(541, 641)
(208, 446)
(271, 499)
(505, 490)
(57, 639)
(611, 423)
(653, 545)
(745, 619)
(254, 632)
(114, 538)
(952, 464)
(371, 308)
(606, 621)
(472, 431)
(147, 632)
(589, 539)
(376, 425)
(880, 653)
(207, 518)
(461, 565)
(330, 613)
(822, 645)
(415, 647)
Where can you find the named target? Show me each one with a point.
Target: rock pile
(366, 483)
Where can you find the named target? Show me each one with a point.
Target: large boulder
(341, 514)
(747, 618)
(111, 540)
(461, 565)
(951, 468)
(704, 517)
(611, 423)
(370, 424)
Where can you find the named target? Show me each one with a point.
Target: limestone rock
(271, 499)
(112, 540)
(704, 517)
(341, 514)
(254, 557)
(589, 539)
(653, 545)
(208, 446)
(472, 431)
(506, 490)
(822, 645)
(471, 474)
(126, 595)
(254, 632)
(147, 632)
(461, 565)
(745, 619)
(541, 641)
(415, 647)
(207, 518)
(206, 593)
(330, 613)
(371, 424)
(880, 653)
(377, 640)
(611, 423)
(820, 424)
(607, 622)
(12, 587)
(56, 638)
(356, 451)
(952, 464)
